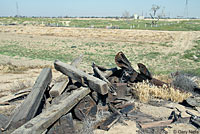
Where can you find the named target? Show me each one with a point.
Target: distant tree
(155, 18)
(126, 14)
(155, 8)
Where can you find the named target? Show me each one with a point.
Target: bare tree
(155, 8)
(126, 14)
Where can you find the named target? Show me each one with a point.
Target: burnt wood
(85, 108)
(110, 121)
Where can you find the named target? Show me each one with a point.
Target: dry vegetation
(145, 91)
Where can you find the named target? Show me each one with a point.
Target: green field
(182, 25)
(163, 52)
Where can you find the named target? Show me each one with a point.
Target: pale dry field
(27, 49)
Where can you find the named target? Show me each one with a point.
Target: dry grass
(144, 92)
(10, 68)
(15, 69)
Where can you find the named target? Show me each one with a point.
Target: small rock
(73, 46)
(195, 57)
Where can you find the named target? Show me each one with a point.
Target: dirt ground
(9, 80)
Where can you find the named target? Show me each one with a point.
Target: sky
(54, 8)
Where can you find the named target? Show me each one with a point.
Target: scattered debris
(54, 107)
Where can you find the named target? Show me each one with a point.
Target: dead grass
(144, 92)
(10, 68)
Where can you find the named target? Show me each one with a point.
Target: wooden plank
(110, 121)
(58, 88)
(64, 125)
(44, 120)
(24, 90)
(98, 72)
(29, 107)
(82, 77)
(155, 124)
(3, 120)
(12, 97)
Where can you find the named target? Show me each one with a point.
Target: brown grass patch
(144, 92)
(11, 68)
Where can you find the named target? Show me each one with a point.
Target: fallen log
(24, 91)
(44, 120)
(115, 117)
(155, 124)
(63, 126)
(99, 73)
(29, 107)
(82, 77)
(10, 98)
(58, 88)
(110, 121)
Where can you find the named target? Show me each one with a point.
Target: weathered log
(155, 124)
(99, 73)
(10, 98)
(85, 108)
(110, 121)
(58, 88)
(82, 77)
(29, 107)
(106, 72)
(115, 117)
(44, 120)
(24, 91)
(3, 121)
(63, 126)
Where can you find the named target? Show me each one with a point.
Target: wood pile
(55, 108)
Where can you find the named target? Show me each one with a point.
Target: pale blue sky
(95, 7)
